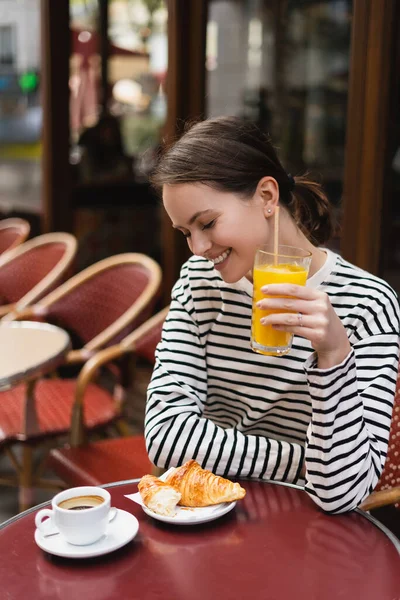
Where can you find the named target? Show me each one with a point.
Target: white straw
(276, 234)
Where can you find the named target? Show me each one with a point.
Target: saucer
(121, 530)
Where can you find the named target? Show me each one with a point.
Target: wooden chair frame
(40, 309)
(71, 246)
(92, 366)
(19, 224)
(381, 498)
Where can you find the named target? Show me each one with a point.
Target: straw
(276, 234)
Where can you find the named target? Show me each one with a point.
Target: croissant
(199, 487)
(158, 496)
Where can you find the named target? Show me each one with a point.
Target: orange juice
(264, 336)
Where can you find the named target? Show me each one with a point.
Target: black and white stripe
(241, 414)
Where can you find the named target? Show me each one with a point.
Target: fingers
(292, 304)
(307, 301)
(290, 320)
(287, 321)
(306, 312)
(299, 310)
(311, 327)
(290, 289)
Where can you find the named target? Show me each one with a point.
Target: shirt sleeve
(175, 428)
(347, 438)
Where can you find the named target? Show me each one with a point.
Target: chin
(233, 277)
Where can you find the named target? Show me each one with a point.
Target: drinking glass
(289, 265)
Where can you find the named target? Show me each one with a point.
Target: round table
(29, 349)
(275, 545)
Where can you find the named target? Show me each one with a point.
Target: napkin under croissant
(189, 485)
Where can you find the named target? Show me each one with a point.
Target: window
(7, 45)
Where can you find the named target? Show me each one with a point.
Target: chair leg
(47, 483)
(123, 428)
(26, 491)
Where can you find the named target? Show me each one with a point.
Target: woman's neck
(292, 236)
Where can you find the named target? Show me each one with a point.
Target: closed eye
(209, 225)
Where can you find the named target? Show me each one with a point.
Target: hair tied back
(292, 182)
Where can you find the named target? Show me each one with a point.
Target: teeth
(220, 258)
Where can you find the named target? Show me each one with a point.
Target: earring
(269, 211)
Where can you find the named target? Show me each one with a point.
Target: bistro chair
(97, 307)
(33, 269)
(13, 232)
(388, 489)
(114, 459)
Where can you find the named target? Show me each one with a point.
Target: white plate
(193, 516)
(121, 530)
(186, 515)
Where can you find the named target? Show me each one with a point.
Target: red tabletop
(275, 545)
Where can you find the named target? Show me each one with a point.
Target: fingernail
(264, 289)
(258, 304)
(263, 321)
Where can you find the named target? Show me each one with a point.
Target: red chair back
(19, 276)
(103, 295)
(390, 477)
(31, 270)
(12, 233)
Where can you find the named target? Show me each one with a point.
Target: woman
(323, 411)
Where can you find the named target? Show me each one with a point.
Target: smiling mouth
(221, 258)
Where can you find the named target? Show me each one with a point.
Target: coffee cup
(79, 514)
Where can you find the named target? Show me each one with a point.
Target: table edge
(36, 371)
(391, 536)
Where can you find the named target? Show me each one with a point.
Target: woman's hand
(311, 316)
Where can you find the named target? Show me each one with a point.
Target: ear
(268, 193)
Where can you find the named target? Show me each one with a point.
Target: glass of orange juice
(289, 265)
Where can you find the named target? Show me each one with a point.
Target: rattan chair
(33, 269)
(13, 232)
(98, 307)
(388, 489)
(115, 459)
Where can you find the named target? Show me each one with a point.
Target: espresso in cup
(81, 502)
(81, 515)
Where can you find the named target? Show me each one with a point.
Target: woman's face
(219, 226)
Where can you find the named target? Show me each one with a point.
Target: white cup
(78, 526)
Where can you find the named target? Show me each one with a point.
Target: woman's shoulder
(197, 278)
(201, 282)
(198, 271)
(364, 299)
(198, 266)
(348, 275)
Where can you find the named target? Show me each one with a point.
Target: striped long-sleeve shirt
(241, 414)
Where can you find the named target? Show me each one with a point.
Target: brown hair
(232, 155)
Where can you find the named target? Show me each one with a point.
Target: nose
(200, 244)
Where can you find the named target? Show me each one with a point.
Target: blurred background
(89, 89)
